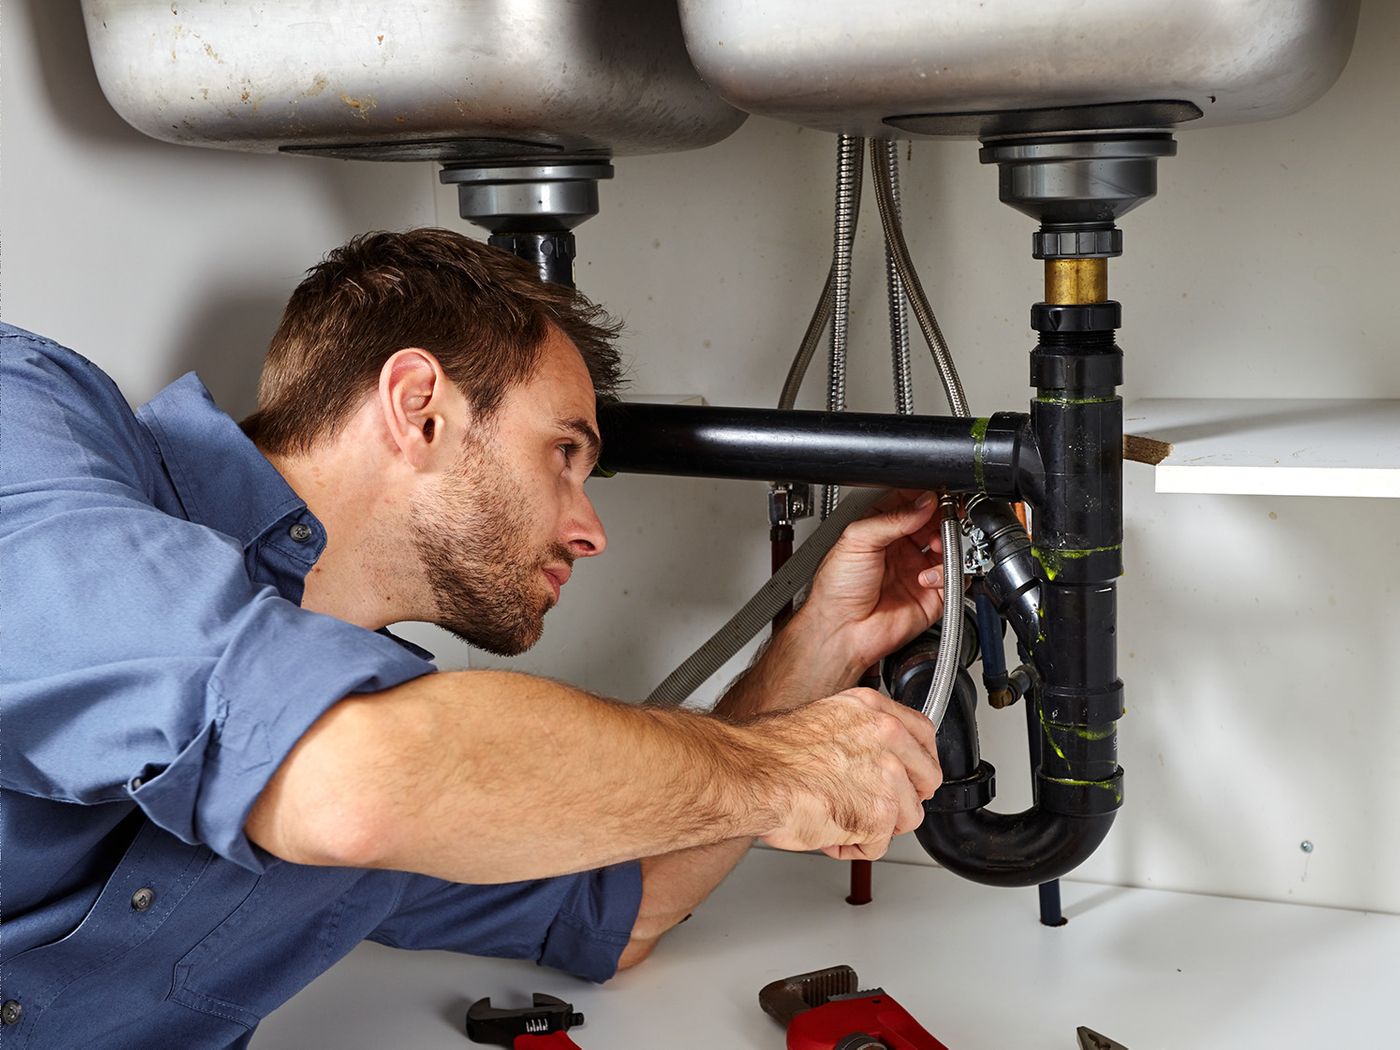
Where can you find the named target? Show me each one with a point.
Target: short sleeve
(139, 662)
(576, 923)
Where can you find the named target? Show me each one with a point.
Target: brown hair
(483, 313)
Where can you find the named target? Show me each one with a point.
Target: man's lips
(557, 577)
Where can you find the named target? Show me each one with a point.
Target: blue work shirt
(155, 669)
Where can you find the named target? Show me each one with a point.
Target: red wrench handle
(876, 1015)
(550, 1041)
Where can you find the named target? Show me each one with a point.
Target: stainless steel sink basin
(454, 80)
(995, 67)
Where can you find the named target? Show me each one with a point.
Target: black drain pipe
(1059, 597)
(1066, 460)
(950, 453)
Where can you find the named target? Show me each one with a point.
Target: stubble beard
(484, 575)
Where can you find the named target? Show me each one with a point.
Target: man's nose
(585, 534)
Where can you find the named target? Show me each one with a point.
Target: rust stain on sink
(360, 106)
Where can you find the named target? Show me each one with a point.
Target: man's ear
(420, 406)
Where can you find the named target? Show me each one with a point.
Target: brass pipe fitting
(1071, 282)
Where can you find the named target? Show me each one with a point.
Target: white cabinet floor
(1153, 969)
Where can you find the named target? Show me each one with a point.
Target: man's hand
(858, 766)
(882, 583)
(846, 774)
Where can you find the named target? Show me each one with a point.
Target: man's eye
(568, 450)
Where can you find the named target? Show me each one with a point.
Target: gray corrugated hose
(758, 611)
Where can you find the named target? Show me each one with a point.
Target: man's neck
(368, 574)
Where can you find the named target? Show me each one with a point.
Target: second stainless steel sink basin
(991, 67)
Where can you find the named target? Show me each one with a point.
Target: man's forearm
(486, 776)
(793, 668)
(796, 666)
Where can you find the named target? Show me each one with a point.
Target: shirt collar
(222, 479)
(225, 483)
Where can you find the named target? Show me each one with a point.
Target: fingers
(910, 739)
(912, 721)
(897, 498)
(880, 530)
(917, 765)
(906, 734)
(919, 727)
(930, 536)
(876, 763)
(909, 813)
(872, 850)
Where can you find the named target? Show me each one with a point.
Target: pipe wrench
(824, 1010)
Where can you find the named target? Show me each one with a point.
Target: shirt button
(143, 898)
(300, 532)
(10, 1013)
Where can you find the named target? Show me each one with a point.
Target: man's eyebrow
(584, 431)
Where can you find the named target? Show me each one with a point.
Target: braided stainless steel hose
(945, 670)
(913, 288)
(797, 371)
(899, 315)
(850, 151)
(950, 639)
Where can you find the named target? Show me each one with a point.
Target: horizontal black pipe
(948, 453)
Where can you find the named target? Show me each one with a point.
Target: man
(219, 771)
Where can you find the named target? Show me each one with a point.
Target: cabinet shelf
(1255, 446)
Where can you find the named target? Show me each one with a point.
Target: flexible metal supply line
(760, 609)
(945, 670)
(950, 638)
(850, 151)
(899, 316)
(807, 349)
(913, 288)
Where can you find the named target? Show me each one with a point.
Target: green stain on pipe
(1052, 559)
(1063, 402)
(1093, 732)
(1103, 785)
(1047, 726)
(979, 452)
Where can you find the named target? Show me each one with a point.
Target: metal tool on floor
(1091, 1040)
(540, 1026)
(825, 1010)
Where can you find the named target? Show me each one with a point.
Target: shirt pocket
(55, 981)
(289, 928)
